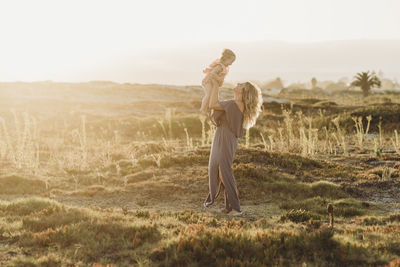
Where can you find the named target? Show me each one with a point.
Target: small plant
(189, 141)
(100, 177)
(328, 144)
(161, 122)
(118, 169)
(288, 120)
(377, 148)
(157, 159)
(76, 181)
(83, 141)
(380, 132)
(23, 152)
(386, 173)
(271, 141)
(340, 138)
(133, 158)
(169, 113)
(373, 221)
(308, 141)
(142, 214)
(125, 180)
(280, 129)
(142, 202)
(395, 142)
(203, 129)
(117, 138)
(298, 216)
(264, 142)
(360, 129)
(247, 144)
(330, 213)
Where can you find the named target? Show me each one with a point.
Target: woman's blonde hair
(226, 55)
(252, 100)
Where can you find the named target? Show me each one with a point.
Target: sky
(107, 40)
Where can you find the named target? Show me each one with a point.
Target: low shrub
(298, 216)
(203, 247)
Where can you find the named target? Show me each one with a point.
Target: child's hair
(252, 100)
(226, 55)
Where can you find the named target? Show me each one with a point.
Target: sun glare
(82, 40)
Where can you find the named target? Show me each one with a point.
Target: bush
(27, 206)
(298, 216)
(343, 207)
(201, 247)
(14, 184)
(98, 239)
(53, 217)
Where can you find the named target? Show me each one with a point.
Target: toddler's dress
(212, 81)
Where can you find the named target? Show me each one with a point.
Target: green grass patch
(205, 247)
(14, 184)
(302, 167)
(27, 206)
(347, 207)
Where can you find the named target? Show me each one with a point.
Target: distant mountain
(257, 61)
(265, 60)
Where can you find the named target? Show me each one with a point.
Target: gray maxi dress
(223, 149)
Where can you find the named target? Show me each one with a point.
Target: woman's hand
(217, 106)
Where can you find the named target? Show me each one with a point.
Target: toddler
(215, 75)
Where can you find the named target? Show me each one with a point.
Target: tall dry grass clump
(21, 148)
(288, 120)
(308, 137)
(203, 129)
(396, 142)
(340, 136)
(358, 123)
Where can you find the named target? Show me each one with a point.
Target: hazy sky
(88, 40)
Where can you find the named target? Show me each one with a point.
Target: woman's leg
(220, 185)
(231, 193)
(212, 183)
(227, 205)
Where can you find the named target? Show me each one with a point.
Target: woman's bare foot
(223, 211)
(236, 213)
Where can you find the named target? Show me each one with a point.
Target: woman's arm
(215, 80)
(214, 104)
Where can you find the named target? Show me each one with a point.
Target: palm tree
(366, 81)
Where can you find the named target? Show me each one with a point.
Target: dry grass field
(104, 173)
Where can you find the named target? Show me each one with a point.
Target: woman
(231, 118)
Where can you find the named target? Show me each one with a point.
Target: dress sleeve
(233, 116)
(216, 117)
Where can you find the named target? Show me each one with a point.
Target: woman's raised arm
(214, 101)
(215, 80)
